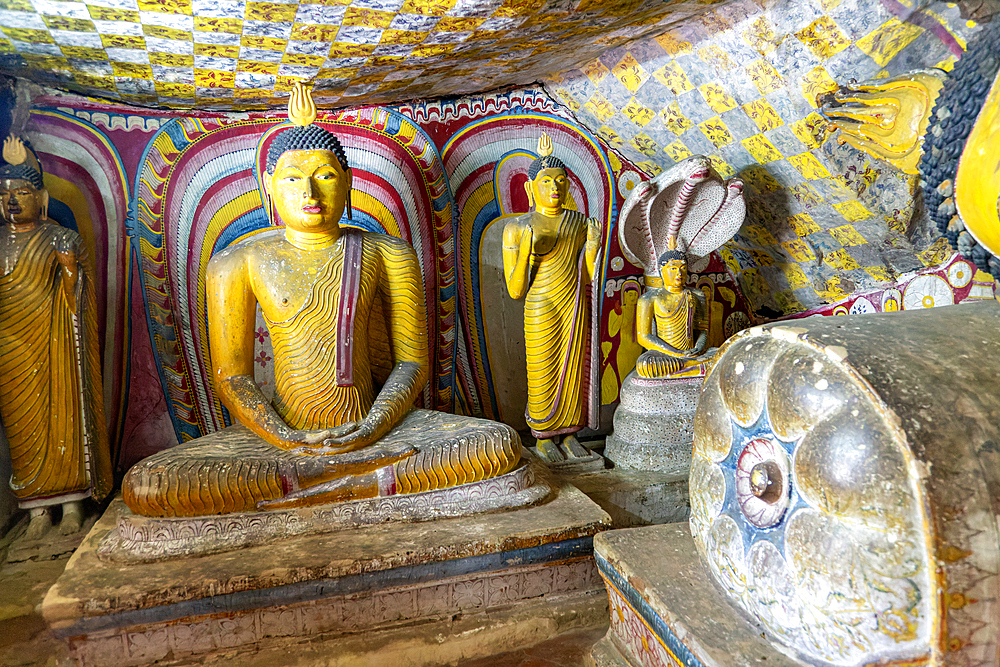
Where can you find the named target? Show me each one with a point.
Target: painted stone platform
(666, 611)
(323, 588)
(654, 424)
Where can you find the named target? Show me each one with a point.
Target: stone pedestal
(330, 589)
(654, 424)
(665, 610)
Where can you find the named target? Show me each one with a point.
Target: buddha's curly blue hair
(671, 256)
(305, 138)
(24, 171)
(546, 162)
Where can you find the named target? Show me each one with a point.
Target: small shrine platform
(666, 611)
(428, 593)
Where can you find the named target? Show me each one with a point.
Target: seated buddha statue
(333, 432)
(688, 209)
(672, 324)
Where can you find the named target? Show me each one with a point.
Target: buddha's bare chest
(282, 281)
(285, 282)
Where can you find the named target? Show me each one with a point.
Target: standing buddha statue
(51, 396)
(550, 258)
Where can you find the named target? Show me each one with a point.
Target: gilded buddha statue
(49, 354)
(686, 210)
(549, 259)
(671, 322)
(336, 429)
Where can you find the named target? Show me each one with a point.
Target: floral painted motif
(673, 77)
(823, 37)
(716, 131)
(630, 72)
(674, 120)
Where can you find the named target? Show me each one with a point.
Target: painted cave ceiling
(240, 54)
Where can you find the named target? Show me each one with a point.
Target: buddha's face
(309, 189)
(674, 274)
(549, 188)
(20, 202)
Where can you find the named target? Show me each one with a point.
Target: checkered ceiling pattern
(239, 54)
(739, 83)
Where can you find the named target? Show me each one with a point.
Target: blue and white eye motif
(762, 482)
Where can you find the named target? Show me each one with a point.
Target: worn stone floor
(27, 570)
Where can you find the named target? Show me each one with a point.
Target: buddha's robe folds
(51, 396)
(328, 357)
(323, 355)
(559, 334)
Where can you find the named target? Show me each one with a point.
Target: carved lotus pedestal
(845, 497)
(432, 592)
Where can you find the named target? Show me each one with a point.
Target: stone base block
(654, 425)
(321, 588)
(666, 611)
(460, 639)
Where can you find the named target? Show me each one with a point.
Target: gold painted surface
(977, 183)
(327, 434)
(549, 257)
(248, 474)
(51, 394)
(672, 325)
(887, 120)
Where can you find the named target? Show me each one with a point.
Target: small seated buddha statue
(687, 211)
(331, 433)
(672, 324)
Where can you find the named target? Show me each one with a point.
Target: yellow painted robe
(558, 335)
(307, 392)
(51, 396)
